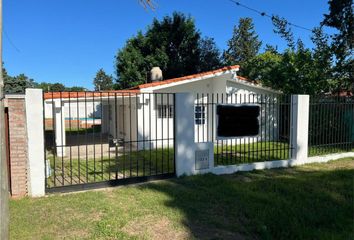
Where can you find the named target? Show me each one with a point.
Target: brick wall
(18, 146)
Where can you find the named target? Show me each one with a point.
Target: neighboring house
(146, 111)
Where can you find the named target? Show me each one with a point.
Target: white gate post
(184, 134)
(299, 128)
(34, 121)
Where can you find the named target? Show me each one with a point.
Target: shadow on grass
(273, 204)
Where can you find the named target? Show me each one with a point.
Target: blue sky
(67, 41)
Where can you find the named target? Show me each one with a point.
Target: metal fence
(107, 138)
(331, 125)
(272, 142)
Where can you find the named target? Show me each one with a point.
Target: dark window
(238, 121)
(164, 111)
(199, 115)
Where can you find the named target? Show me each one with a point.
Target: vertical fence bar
(130, 136)
(269, 127)
(85, 99)
(70, 134)
(207, 117)
(143, 110)
(195, 119)
(110, 117)
(254, 139)
(262, 125)
(93, 136)
(341, 140)
(45, 142)
(249, 138)
(62, 141)
(212, 118)
(156, 136)
(101, 137)
(124, 134)
(170, 116)
(232, 140)
(222, 141)
(348, 139)
(55, 150)
(116, 116)
(203, 116)
(164, 113)
(137, 134)
(150, 132)
(77, 135)
(244, 138)
(217, 140)
(274, 143)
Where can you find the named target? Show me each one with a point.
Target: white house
(143, 115)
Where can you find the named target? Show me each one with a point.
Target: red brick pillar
(18, 144)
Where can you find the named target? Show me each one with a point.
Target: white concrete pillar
(184, 134)
(299, 127)
(34, 121)
(59, 124)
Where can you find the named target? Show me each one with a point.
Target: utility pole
(4, 192)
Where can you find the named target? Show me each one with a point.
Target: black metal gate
(97, 139)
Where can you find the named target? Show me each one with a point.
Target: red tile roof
(97, 95)
(173, 80)
(134, 90)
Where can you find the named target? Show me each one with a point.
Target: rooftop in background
(189, 77)
(208, 74)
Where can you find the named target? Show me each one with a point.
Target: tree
(332, 57)
(295, 71)
(209, 55)
(323, 60)
(264, 68)
(174, 44)
(131, 64)
(102, 81)
(57, 87)
(282, 28)
(76, 89)
(17, 84)
(341, 18)
(244, 43)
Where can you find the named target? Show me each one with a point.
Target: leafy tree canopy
(327, 67)
(17, 84)
(76, 89)
(174, 44)
(341, 18)
(102, 81)
(58, 87)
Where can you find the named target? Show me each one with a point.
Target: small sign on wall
(202, 159)
(235, 121)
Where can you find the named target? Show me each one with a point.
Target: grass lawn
(130, 164)
(309, 202)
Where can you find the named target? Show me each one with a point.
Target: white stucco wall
(138, 120)
(223, 89)
(76, 109)
(144, 116)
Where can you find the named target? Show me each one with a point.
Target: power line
(264, 14)
(10, 41)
